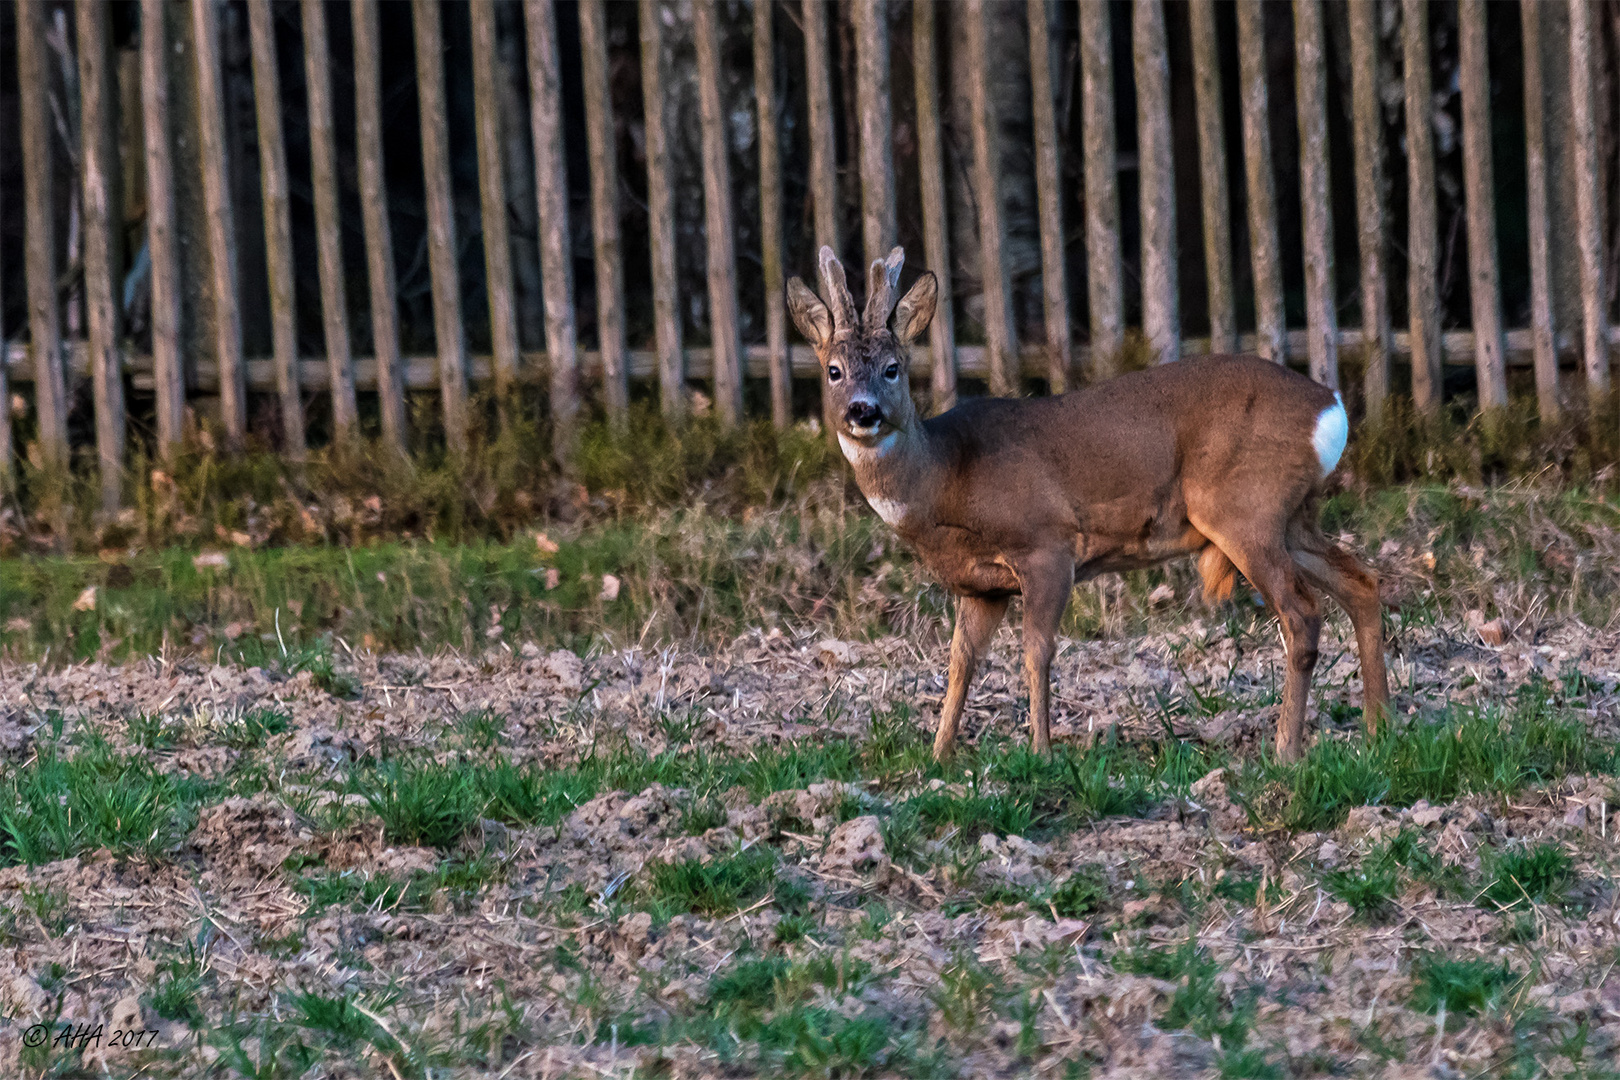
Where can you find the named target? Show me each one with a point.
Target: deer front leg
(1047, 583)
(976, 622)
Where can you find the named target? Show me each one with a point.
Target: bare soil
(508, 980)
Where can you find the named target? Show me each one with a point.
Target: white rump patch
(1332, 432)
(889, 510)
(859, 453)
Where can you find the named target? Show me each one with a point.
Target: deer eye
(892, 372)
(834, 373)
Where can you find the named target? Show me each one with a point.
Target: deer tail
(1219, 574)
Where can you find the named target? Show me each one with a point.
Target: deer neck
(897, 473)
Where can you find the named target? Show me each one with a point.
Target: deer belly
(1106, 554)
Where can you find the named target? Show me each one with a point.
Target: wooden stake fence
(1088, 189)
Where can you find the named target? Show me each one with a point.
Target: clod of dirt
(856, 845)
(243, 836)
(15, 735)
(566, 668)
(833, 653)
(1211, 794)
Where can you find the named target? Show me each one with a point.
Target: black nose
(863, 414)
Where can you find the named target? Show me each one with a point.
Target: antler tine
(837, 289)
(882, 282)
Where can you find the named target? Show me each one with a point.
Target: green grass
(1464, 986)
(423, 804)
(1530, 875)
(57, 806)
(720, 887)
(1464, 750)
(174, 995)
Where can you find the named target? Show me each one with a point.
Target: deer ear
(810, 315)
(916, 309)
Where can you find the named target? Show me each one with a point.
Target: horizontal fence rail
(601, 184)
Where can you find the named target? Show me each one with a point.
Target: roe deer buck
(1221, 457)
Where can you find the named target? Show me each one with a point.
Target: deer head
(865, 364)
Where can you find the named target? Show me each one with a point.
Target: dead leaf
(834, 653)
(86, 600)
(210, 560)
(545, 543)
(610, 589)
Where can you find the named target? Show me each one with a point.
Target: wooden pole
(374, 217)
(39, 252)
(1316, 193)
(603, 151)
(1584, 42)
(278, 247)
(935, 206)
(441, 215)
(1545, 348)
(221, 229)
(1161, 317)
(770, 214)
(168, 373)
(329, 220)
(1104, 293)
(503, 330)
(1369, 156)
(1049, 192)
(823, 151)
(103, 230)
(1422, 244)
(1485, 290)
(1001, 337)
(551, 192)
(661, 221)
(878, 229)
(1217, 202)
(1270, 323)
(723, 328)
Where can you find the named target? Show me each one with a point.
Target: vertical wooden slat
(103, 229)
(551, 192)
(1321, 312)
(39, 253)
(723, 328)
(1001, 337)
(168, 373)
(823, 152)
(503, 329)
(1104, 294)
(1584, 43)
(1543, 343)
(277, 225)
(374, 217)
(1367, 135)
(931, 173)
(1216, 204)
(448, 332)
(221, 229)
(878, 229)
(1049, 192)
(770, 214)
(1422, 242)
(328, 220)
(1161, 317)
(603, 150)
(661, 220)
(1485, 290)
(1264, 247)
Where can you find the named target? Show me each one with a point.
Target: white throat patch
(1332, 432)
(859, 453)
(890, 510)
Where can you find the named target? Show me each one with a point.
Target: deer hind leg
(1261, 556)
(1353, 587)
(1046, 584)
(976, 622)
